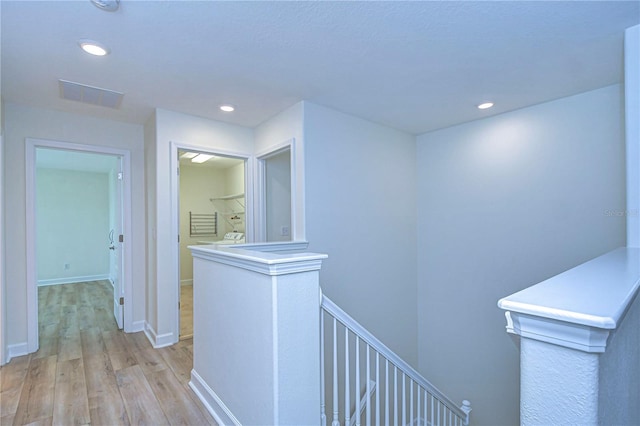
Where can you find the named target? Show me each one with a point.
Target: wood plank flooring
(186, 312)
(89, 372)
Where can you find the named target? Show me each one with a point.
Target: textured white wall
(22, 122)
(72, 224)
(619, 390)
(198, 133)
(278, 196)
(504, 203)
(361, 211)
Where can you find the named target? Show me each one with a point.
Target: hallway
(88, 371)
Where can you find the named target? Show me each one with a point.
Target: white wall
(72, 225)
(361, 211)
(22, 122)
(288, 126)
(196, 133)
(277, 170)
(504, 203)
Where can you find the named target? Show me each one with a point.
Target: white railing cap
(580, 307)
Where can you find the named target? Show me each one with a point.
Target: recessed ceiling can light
(108, 5)
(227, 108)
(93, 47)
(485, 105)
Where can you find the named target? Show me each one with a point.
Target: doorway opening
(78, 204)
(212, 210)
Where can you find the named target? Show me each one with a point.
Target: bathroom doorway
(211, 210)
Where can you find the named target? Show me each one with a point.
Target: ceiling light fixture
(106, 5)
(485, 105)
(201, 158)
(189, 155)
(227, 108)
(93, 47)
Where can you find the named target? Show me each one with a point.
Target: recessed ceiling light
(227, 108)
(201, 158)
(485, 105)
(108, 5)
(189, 155)
(93, 47)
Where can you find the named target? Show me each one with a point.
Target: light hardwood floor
(186, 312)
(89, 372)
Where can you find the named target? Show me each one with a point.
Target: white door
(116, 239)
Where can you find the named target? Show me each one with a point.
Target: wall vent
(90, 95)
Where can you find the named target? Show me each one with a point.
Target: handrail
(334, 310)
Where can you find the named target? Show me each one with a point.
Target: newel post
(578, 343)
(256, 334)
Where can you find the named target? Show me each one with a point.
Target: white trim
(211, 401)
(297, 190)
(262, 262)
(16, 350)
(158, 340)
(137, 326)
(174, 164)
(4, 355)
(31, 144)
(72, 280)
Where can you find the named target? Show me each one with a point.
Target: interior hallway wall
(504, 203)
(361, 210)
(22, 122)
(72, 226)
(163, 128)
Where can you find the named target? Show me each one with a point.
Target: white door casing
(125, 261)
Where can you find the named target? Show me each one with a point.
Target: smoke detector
(108, 5)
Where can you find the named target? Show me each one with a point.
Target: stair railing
(371, 384)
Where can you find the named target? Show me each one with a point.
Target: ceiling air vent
(89, 94)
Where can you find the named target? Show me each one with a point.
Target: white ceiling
(415, 66)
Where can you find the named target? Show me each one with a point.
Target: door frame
(297, 220)
(32, 282)
(174, 162)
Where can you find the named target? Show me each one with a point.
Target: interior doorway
(78, 218)
(211, 210)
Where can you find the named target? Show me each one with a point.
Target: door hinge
(178, 237)
(178, 171)
(121, 238)
(122, 301)
(178, 305)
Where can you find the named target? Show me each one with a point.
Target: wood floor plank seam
(89, 372)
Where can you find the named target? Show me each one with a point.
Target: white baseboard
(158, 340)
(211, 401)
(72, 280)
(137, 326)
(186, 282)
(16, 350)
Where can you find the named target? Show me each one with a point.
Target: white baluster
(347, 391)
(323, 415)
(377, 388)
(386, 392)
(404, 400)
(357, 381)
(439, 412)
(418, 403)
(432, 410)
(395, 395)
(411, 403)
(335, 421)
(367, 402)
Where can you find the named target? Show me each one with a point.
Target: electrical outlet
(284, 231)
